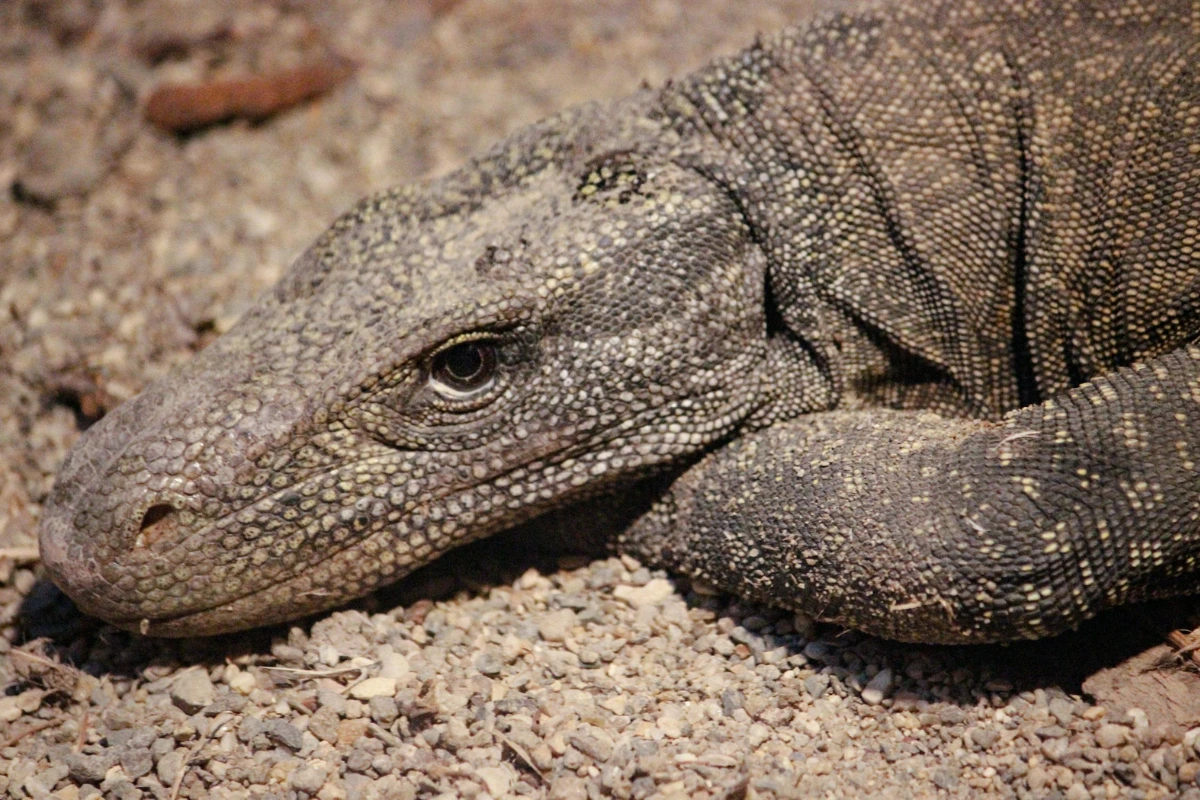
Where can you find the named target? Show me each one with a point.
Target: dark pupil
(464, 362)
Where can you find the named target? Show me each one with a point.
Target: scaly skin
(806, 283)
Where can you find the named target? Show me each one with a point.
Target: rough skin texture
(797, 291)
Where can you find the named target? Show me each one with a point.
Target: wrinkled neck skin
(601, 258)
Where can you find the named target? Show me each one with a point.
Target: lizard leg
(920, 528)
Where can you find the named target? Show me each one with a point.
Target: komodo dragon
(893, 310)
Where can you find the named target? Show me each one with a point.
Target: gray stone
(169, 765)
(137, 761)
(323, 724)
(732, 700)
(985, 737)
(308, 779)
(952, 715)
(592, 742)
(40, 785)
(284, 733)
(816, 686)
(334, 701)
(878, 687)
(945, 778)
(1062, 710)
(192, 691)
(249, 728)
(383, 710)
(490, 662)
(124, 790)
(359, 760)
(90, 768)
(63, 160)
(555, 625)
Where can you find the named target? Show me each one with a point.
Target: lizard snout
(122, 530)
(80, 563)
(97, 542)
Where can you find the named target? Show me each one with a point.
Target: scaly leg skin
(925, 529)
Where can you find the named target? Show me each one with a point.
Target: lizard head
(576, 308)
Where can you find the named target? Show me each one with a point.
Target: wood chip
(180, 108)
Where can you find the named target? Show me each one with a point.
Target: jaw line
(480, 529)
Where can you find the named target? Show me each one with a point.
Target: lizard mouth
(171, 577)
(168, 576)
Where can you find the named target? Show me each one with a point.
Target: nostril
(156, 522)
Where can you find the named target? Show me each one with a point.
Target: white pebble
(671, 726)
(498, 780)
(653, 592)
(394, 666)
(555, 625)
(243, 683)
(373, 687)
(878, 688)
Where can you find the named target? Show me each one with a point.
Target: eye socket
(464, 369)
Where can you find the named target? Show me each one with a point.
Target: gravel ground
(495, 673)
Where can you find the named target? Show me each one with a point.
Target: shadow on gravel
(97, 648)
(1119, 658)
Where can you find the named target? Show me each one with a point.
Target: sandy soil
(124, 250)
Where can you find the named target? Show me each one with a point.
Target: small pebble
(617, 704)
(243, 683)
(283, 732)
(1110, 735)
(945, 778)
(41, 784)
(136, 762)
(383, 710)
(9, 710)
(497, 779)
(169, 765)
(555, 625)
(489, 662)
(1077, 791)
(30, 700)
(350, 731)
(308, 779)
(91, 768)
(672, 727)
(823, 652)
(878, 687)
(373, 687)
(805, 625)
(652, 592)
(816, 685)
(985, 737)
(951, 715)
(192, 691)
(324, 724)
(1062, 710)
(393, 665)
(592, 742)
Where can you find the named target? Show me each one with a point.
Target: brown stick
(215, 728)
(179, 108)
(1187, 645)
(34, 728)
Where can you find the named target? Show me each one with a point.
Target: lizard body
(889, 313)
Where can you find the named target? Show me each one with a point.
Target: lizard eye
(464, 369)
